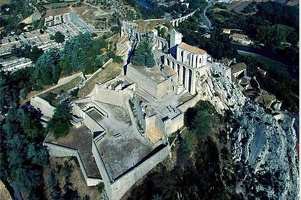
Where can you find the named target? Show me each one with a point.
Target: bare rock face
(263, 150)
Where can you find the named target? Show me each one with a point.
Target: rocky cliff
(262, 146)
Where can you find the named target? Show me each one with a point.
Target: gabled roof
(192, 49)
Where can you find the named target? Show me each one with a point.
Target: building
(239, 70)
(241, 38)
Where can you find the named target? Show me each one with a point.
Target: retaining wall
(188, 104)
(124, 183)
(61, 151)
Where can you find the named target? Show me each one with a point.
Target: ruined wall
(61, 151)
(43, 105)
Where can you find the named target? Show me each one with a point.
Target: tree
(24, 156)
(46, 70)
(58, 37)
(8, 96)
(118, 59)
(143, 55)
(60, 124)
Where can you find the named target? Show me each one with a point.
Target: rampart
(188, 104)
(61, 151)
(117, 188)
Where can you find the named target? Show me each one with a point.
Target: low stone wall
(43, 105)
(104, 66)
(61, 151)
(172, 125)
(101, 167)
(190, 103)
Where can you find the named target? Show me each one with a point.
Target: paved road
(206, 20)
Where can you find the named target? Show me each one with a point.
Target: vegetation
(27, 51)
(46, 70)
(58, 37)
(272, 24)
(81, 53)
(8, 95)
(196, 174)
(175, 9)
(143, 55)
(276, 82)
(11, 16)
(218, 46)
(23, 156)
(60, 123)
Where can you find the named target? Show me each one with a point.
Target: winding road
(205, 18)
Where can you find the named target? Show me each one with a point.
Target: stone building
(187, 61)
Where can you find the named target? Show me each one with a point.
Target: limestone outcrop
(262, 146)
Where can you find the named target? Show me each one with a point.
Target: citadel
(127, 120)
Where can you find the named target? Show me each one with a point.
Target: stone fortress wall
(61, 151)
(156, 89)
(129, 179)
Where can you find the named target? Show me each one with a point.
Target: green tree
(58, 37)
(60, 124)
(143, 55)
(46, 70)
(8, 95)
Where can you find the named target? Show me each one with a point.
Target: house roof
(192, 48)
(238, 67)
